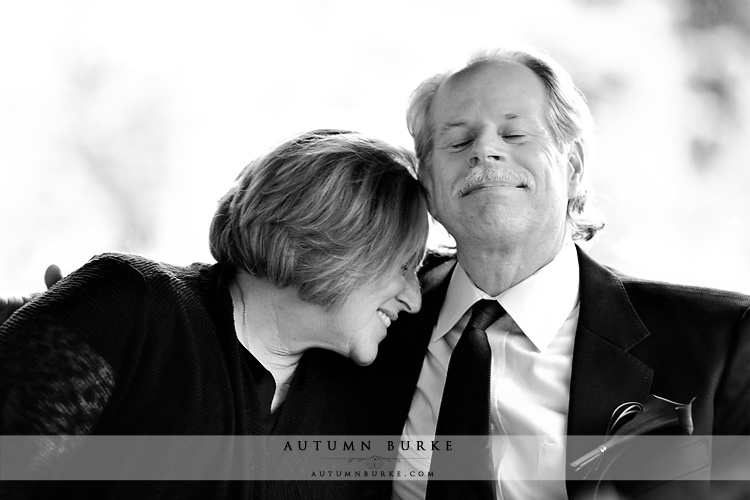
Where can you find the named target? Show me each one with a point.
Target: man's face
(496, 172)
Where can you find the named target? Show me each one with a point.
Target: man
(502, 148)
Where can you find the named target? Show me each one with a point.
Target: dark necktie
(465, 410)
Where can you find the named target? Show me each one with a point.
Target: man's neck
(494, 269)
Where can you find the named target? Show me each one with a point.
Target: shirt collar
(539, 305)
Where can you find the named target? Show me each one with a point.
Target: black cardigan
(128, 346)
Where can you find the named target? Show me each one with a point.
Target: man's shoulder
(680, 290)
(435, 268)
(436, 258)
(651, 294)
(655, 295)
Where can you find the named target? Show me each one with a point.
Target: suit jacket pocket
(653, 460)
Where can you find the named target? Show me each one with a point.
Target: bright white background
(122, 123)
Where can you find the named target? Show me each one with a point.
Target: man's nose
(485, 152)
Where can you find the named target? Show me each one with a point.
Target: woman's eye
(514, 137)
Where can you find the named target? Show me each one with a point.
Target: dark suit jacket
(634, 338)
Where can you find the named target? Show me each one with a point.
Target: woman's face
(361, 322)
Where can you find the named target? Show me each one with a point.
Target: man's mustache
(480, 176)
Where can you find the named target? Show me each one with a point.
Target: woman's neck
(263, 325)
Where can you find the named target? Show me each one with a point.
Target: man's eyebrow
(447, 127)
(462, 123)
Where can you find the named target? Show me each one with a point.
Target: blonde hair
(326, 212)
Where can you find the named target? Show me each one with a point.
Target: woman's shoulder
(144, 269)
(114, 263)
(125, 263)
(121, 281)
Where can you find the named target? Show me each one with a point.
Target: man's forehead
(512, 88)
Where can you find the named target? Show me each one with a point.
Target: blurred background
(122, 123)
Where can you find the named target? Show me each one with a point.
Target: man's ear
(425, 179)
(576, 159)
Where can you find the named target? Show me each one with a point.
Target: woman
(316, 244)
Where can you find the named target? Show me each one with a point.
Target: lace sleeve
(52, 382)
(52, 386)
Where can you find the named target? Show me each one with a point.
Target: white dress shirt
(532, 353)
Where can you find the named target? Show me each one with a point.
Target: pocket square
(633, 419)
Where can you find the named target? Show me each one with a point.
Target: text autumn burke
(317, 445)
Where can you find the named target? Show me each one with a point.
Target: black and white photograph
(388, 250)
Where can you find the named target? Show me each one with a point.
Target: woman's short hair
(568, 117)
(326, 212)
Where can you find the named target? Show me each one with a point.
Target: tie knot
(484, 313)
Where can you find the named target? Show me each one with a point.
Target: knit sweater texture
(127, 346)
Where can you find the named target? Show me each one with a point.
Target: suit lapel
(604, 375)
